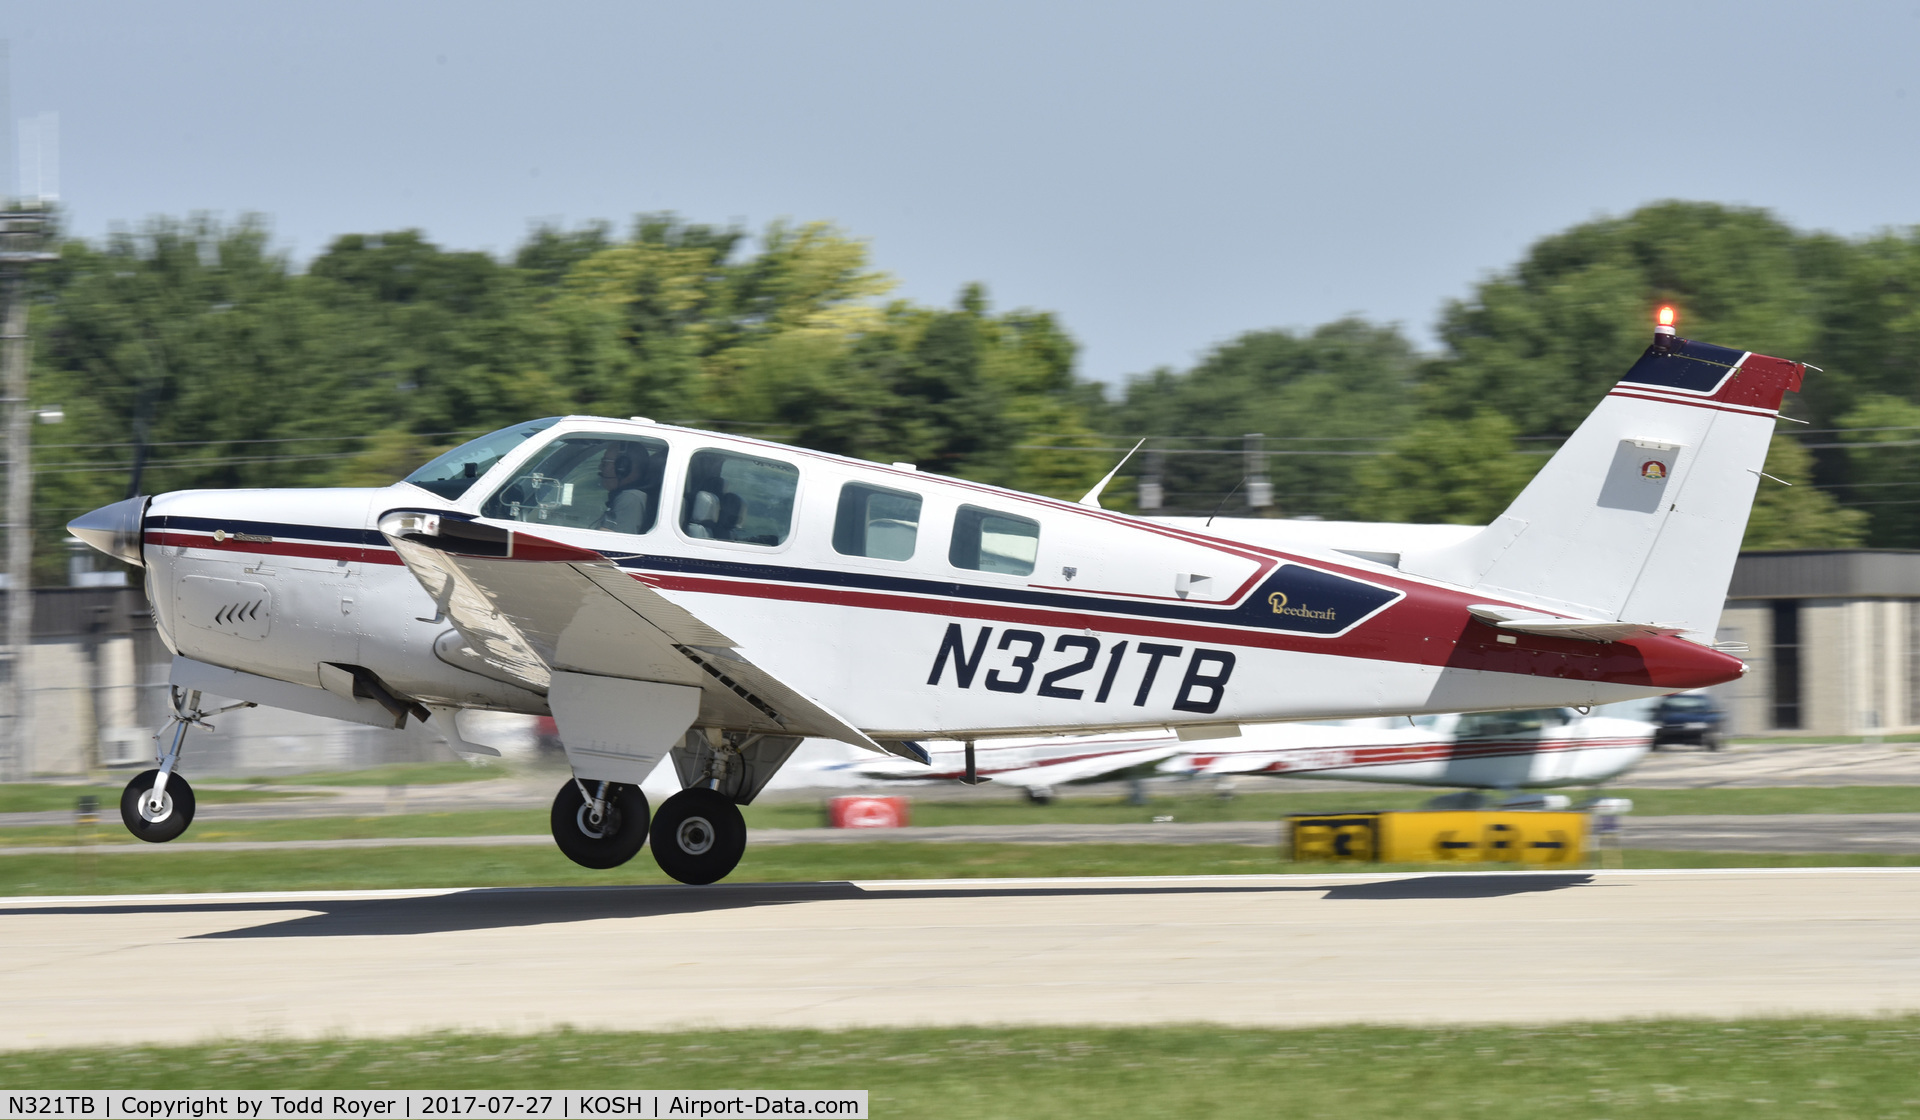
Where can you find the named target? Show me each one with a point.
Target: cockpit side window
(1480, 725)
(605, 482)
(985, 541)
(454, 473)
(873, 522)
(738, 498)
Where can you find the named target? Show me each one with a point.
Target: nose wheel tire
(608, 842)
(156, 826)
(698, 836)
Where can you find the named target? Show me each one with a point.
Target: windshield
(453, 473)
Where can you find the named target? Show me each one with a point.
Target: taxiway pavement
(1279, 950)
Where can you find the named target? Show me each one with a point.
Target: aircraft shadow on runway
(1459, 886)
(503, 908)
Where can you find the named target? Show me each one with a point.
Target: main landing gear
(599, 824)
(158, 804)
(698, 835)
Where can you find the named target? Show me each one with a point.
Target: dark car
(1690, 718)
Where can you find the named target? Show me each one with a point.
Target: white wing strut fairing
(1522, 621)
(625, 670)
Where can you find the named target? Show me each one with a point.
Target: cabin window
(454, 473)
(610, 483)
(739, 498)
(1480, 725)
(985, 541)
(873, 522)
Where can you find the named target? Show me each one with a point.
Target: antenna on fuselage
(1093, 495)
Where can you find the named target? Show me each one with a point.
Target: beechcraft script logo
(1308, 601)
(1280, 606)
(1653, 469)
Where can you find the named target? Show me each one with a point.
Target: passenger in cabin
(715, 514)
(732, 511)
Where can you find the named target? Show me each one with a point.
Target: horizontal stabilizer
(1521, 621)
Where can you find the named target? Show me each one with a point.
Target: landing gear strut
(158, 804)
(698, 836)
(599, 824)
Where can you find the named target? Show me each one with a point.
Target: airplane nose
(114, 529)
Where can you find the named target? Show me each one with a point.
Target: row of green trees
(1532, 350)
(192, 353)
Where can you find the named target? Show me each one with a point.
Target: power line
(225, 461)
(223, 442)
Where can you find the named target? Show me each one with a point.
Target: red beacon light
(1663, 336)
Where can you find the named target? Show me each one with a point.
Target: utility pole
(21, 232)
(1153, 488)
(1259, 486)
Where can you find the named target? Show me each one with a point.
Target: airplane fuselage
(984, 612)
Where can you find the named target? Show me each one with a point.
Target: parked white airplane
(664, 592)
(1538, 749)
(1506, 751)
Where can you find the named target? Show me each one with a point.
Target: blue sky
(1161, 176)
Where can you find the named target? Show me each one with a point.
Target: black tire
(1712, 742)
(176, 807)
(614, 840)
(698, 836)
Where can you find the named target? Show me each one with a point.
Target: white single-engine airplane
(1505, 751)
(663, 592)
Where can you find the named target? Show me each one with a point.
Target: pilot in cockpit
(623, 472)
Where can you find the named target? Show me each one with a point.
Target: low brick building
(1833, 639)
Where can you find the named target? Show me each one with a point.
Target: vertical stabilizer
(1639, 516)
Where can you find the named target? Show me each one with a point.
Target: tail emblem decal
(1653, 469)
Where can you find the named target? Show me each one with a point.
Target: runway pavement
(1279, 950)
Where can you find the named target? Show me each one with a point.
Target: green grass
(398, 774)
(503, 822)
(151, 872)
(1771, 800)
(1744, 1069)
(1088, 810)
(38, 797)
(1258, 806)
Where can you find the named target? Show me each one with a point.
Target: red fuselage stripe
(1743, 410)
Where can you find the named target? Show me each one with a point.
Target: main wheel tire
(698, 836)
(608, 843)
(174, 815)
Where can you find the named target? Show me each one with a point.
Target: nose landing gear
(158, 804)
(599, 824)
(156, 819)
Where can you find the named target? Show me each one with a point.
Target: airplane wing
(531, 607)
(1523, 621)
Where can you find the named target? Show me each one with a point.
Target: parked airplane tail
(1639, 516)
